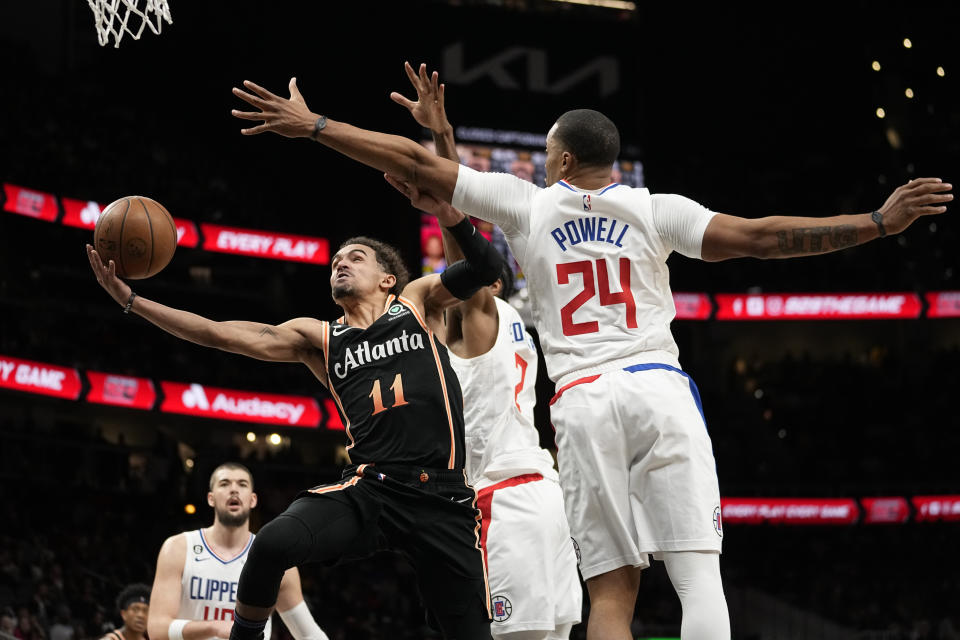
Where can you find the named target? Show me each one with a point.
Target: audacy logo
(195, 397)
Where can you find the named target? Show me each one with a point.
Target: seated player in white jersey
(133, 603)
(636, 461)
(195, 586)
(535, 590)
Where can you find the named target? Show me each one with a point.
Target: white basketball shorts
(636, 467)
(531, 562)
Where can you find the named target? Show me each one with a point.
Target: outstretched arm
(790, 237)
(391, 154)
(473, 324)
(287, 342)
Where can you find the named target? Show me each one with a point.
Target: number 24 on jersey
(586, 269)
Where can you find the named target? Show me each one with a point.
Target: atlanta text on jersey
(363, 353)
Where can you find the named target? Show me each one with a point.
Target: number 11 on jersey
(396, 387)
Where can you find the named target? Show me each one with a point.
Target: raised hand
(428, 110)
(288, 117)
(920, 197)
(107, 277)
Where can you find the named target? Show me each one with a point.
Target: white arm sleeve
(681, 222)
(301, 624)
(500, 198)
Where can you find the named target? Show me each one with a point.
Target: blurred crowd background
(742, 111)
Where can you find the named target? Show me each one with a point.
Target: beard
(342, 290)
(228, 519)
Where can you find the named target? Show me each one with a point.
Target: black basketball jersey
(397, 395)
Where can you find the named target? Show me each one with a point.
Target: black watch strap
(877, 217)
(318, 126)
(129, 306)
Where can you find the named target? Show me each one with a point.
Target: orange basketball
(138, 234)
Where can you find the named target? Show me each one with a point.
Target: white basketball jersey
(209, 583)
(597, 273)
(595, 263)
(498, 399)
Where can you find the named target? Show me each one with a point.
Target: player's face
(554, 159)
(232, 497)
(135, 617)
(355, 273)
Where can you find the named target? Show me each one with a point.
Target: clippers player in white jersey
(636, 462)
(534, 587)
(195, 586)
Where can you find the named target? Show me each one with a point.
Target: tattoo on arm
(267, 331)
(816, 239)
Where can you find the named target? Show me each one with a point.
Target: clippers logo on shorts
(501, 608)
(718, 520)
(363, 353)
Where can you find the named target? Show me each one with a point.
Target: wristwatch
(877, 217)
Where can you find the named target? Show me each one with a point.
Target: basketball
(138, 234)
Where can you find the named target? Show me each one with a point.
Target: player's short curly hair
(132, 593)
(590, 136)
(387, 257)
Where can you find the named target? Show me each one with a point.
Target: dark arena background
(829, 383)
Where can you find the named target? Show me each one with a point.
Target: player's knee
(695, 576)
(282, 542)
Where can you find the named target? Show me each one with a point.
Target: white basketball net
(116, 17)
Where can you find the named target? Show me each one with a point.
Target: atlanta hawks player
(195, 587)
(532, 564)
(401, 403)
(636, 462)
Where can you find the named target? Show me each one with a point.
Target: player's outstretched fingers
(260, 91)
(252, 131)
(932, 196)
(249, 98)
(93, 259)
(402, 100)
(247, 115)
(919, 181)
(295, 92)
(410, 73)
